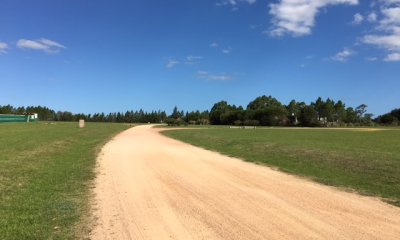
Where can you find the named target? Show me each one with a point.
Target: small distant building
(18, 118)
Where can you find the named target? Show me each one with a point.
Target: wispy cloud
(214, 45)
(388, 2)
(357, 19)
(3, 47)
(387, 29)
(389, 41)
(371, 59)
(372, 17)
(255, 26)
(343, 55)
(43, 44)
(392, 57)
(171, 63)
(226, 50)
(213, 77)
(194, 58)
(234, 2)
(297, 17)
(189, 60)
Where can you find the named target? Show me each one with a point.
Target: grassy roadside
(46, 171)
(365, 161)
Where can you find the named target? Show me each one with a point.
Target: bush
(238, 123)
(251, 123)
(175, 122)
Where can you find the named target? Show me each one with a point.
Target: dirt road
(153, 187)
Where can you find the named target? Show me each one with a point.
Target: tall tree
(217, 111)
(268, 111)
(294, 110)
(340, 112)
(309, 116)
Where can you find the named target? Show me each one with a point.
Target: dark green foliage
(351, 115)
(294, 111)
(197, 118)
(392, 118)
(395, 113)
(340, 112)
(175, 122)
(262, 111)
(268, 111)
(46, 114)
(217, 110)
(309, 117)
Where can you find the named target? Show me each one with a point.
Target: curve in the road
(153, 187)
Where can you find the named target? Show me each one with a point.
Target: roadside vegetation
(46, 171)
(364, 160)
(262, 111)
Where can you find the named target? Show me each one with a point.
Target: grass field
(46, 171)
(355, 159)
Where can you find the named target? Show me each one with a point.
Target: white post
(81, 123)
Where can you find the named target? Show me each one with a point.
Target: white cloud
(372, 17)
(172, 63)
(24, 43)
(387, 34)
(3, 47)
(389, 42)
(371, 59)
(255, 26)
(391, 16)
(343, 55)
(43, 44)
(297, 17)
(193, 58)
(202, 73)
(357, 19)
(51, 43)
(392, 57)
(390, 1)
(213, 77)
(222, 77)
(386, 31)
(226, 50)
(234, 2)
(214, 45)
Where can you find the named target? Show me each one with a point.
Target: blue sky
(93, 56)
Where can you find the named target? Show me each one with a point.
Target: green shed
(18, 118)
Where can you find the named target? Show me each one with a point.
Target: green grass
(46, 171)
(368, 162)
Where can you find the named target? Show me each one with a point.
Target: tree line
(391, 118)
(262, 111)
(268, 111)
(47, 114)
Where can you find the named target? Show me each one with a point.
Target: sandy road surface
(153, 187)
